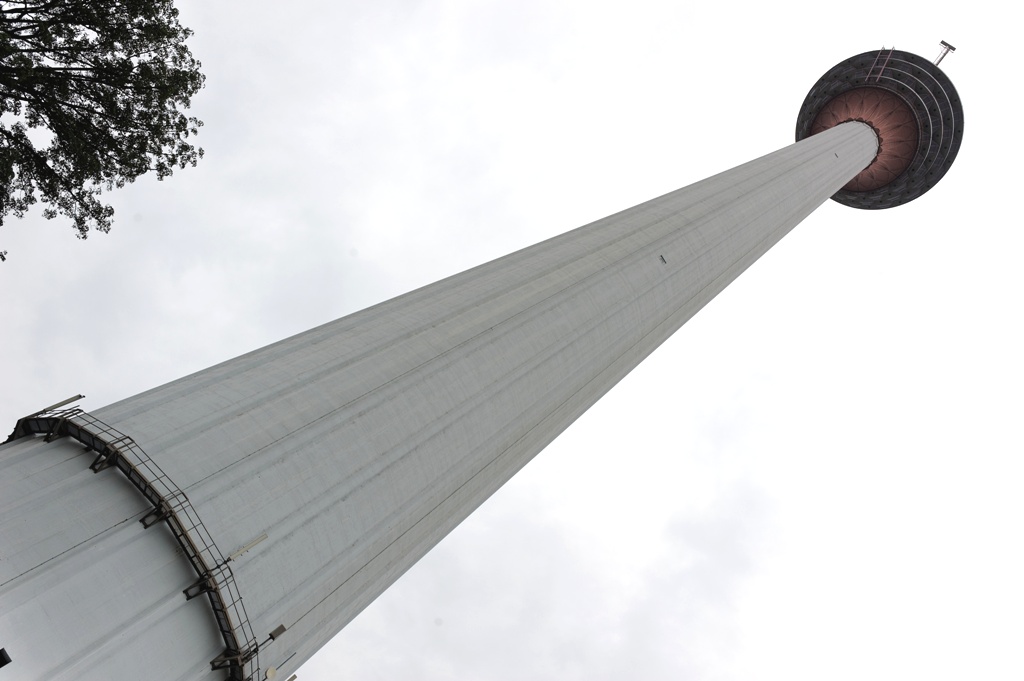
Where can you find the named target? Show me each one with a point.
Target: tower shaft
(340, 456)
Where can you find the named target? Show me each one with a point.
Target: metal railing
(881, 67)
(114, 449)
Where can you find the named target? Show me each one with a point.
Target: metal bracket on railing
(203, 585)
(155, 516)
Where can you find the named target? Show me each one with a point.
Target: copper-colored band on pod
(893, 121)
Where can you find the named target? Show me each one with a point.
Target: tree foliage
(91, 97)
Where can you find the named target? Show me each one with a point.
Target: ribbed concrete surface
(358, 445)
(87, 594)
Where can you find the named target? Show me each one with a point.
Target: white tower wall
(356, 446)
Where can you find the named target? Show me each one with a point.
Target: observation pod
(228, 524)
(914, 110)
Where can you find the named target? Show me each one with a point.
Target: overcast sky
(818, 477)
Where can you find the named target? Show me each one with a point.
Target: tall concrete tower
(227, 524)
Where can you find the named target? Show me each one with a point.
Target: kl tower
(228, 524)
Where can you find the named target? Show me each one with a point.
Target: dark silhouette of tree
(91, 97)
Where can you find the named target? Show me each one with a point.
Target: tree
(91, 97)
